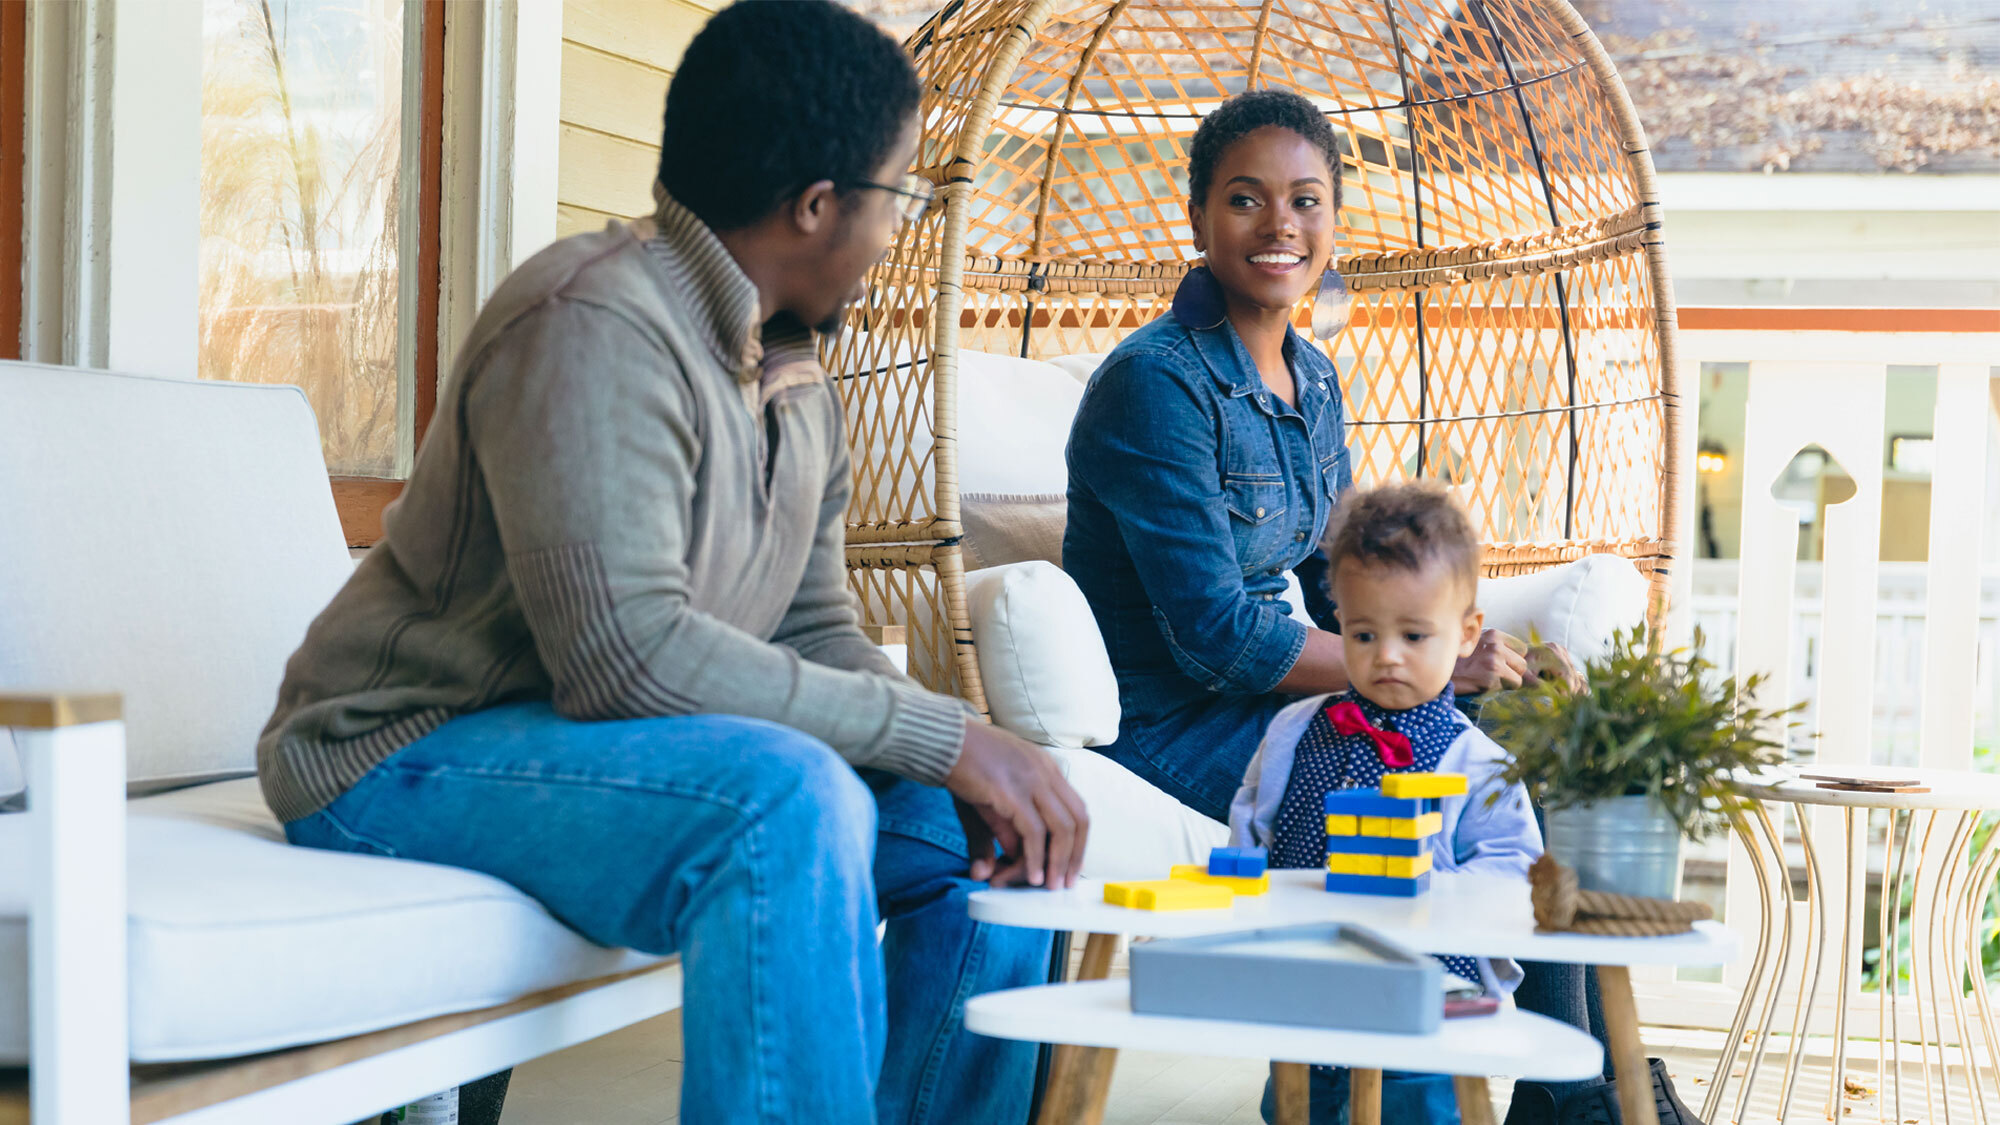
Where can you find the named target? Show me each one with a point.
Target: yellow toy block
(1168, 894)
(1423, 785)
(1405, 866)
(1337, 825)
(1429, 824)
(1196, 873)
(1341, 864)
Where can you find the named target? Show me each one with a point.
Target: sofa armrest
(48, 711)
(72, 749)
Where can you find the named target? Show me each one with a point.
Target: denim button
(1275, 571)
(1260, 513)
(1298, 537)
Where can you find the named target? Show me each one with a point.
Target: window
(13, 166)
(321, 133)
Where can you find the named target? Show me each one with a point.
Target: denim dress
(1192, 491)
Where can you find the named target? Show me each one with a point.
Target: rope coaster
(1561, 907)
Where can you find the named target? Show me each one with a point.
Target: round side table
(1928, 861)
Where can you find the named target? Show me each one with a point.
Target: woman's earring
(1331, 305)
(1198, 302)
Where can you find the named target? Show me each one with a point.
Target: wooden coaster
(1844, 787)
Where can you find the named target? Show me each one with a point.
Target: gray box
(1330, 975)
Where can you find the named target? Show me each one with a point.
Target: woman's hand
(1493, 666)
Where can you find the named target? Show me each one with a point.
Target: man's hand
(1009, 790)
(1551, 661)
(1494, 665)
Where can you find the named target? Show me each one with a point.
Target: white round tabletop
(1948, 789)
(1471, 915)
(1099, 1014)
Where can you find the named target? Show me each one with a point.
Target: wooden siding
(617, 58)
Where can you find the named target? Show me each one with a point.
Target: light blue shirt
(1490, 830)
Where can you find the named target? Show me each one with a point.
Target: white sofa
(1043, 664)
(170, 541)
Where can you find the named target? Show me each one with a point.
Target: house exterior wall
(617, 58)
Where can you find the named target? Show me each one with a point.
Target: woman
(1206, 455)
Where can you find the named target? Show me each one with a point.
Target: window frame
(361, 500)
(13, 171)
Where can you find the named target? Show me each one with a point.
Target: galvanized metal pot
(1627, 845)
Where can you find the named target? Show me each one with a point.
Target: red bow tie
(1348, 718)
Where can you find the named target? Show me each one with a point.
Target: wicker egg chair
(1512, 328)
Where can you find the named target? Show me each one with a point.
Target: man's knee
(809, 789)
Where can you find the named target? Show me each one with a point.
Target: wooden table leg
(1290, 1081)
(1628, 1054)
(1475, 1101)
(1080, 1077)
(1364, 1097)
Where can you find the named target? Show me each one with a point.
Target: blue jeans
(762, 858)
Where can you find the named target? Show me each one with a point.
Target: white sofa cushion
(1577, 605)
(1047, 676)
(166, 539)
(241, 943)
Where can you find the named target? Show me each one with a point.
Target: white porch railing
(1898, 659)
(1897, 662)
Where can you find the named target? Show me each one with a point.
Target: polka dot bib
(1326, 761)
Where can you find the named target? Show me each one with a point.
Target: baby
(1404, 571)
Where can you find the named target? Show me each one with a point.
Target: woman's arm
(1144, 448)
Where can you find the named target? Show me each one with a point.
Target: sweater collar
(724, 298)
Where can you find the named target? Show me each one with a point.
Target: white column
(502, 110)
(1951, 611)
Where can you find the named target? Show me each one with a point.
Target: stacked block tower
(1378, 841)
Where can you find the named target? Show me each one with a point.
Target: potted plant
(1649, 748)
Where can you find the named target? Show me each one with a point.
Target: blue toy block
(1433, 804)
(1375, 845)
(1378, 885)
(1240, 863)
(1371, 802)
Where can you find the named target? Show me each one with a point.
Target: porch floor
(633, 1077)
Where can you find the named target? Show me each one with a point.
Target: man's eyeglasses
(915, 190)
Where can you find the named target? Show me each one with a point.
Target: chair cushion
(1577, 605)
(1014, 417)
(241, 943)
(1081, 367)
(1047, 676)
(1137, 831)
(1002, 529)
(167, 539)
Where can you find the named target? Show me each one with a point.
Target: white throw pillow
(1578, 605)
(1013, 424)
(1048, 678)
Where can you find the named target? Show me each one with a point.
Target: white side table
(1099, 1014)
(1929, 860)
(1472, 915)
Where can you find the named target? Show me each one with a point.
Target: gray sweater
(630, 503)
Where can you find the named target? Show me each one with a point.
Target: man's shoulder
(608, 268)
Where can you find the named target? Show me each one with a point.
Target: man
(606, 651)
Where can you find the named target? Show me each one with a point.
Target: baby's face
(1404, 630)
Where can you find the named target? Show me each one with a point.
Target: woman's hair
(1405, 526)
(1245, 114)
(773, 97)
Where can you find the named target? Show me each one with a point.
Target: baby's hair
(1406, 526)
